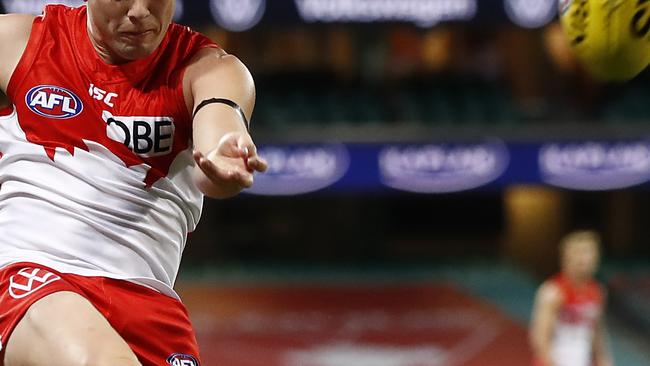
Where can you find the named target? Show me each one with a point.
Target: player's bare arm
(602, 355)
(225, 154)
(545, 313)
(14, 34)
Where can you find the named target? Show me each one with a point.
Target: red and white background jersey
(96, 159)
(576, 324)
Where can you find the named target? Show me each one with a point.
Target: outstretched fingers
(229, 173)
(248, 151)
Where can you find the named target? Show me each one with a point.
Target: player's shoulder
(550, 292)
(15, 30)
(217, 65)
(189, 40)
(15, 24)
(61, 9)
(12, 24)
(59, 15)
(185, 47)
(215, 58)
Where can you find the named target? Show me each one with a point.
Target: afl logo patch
(178, 359)
(54, 102)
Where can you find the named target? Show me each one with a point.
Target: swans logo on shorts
(54, 102)
(29, 280)
(179, 359)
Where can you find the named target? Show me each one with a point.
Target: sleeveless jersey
(96, 159)
(575, 327)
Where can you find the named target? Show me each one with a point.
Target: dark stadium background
(267, 277)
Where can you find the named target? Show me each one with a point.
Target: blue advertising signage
(595, 166)
(453, 167)
(302, 169)
(440, 168)
(242, 15)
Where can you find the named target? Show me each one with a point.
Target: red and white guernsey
(96, 159)
(576, 324)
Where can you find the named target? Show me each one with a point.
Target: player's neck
(103, 51)
(577, 280)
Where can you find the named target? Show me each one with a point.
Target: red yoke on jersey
(578, 302)
(65, 93)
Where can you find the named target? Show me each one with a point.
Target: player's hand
(229, 168)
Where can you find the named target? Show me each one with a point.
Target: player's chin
(132, 51)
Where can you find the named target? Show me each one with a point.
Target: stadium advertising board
(453, 167)
(241, 15)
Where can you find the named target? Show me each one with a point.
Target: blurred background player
(567, 326)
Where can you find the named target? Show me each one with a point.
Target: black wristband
(227, 102)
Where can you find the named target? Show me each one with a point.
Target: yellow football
(610, 37)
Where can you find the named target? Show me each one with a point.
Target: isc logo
(54, 102)
(145, 136)
(178, 359)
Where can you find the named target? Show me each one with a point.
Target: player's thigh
(66, 329)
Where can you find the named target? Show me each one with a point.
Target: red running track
(338, 325)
